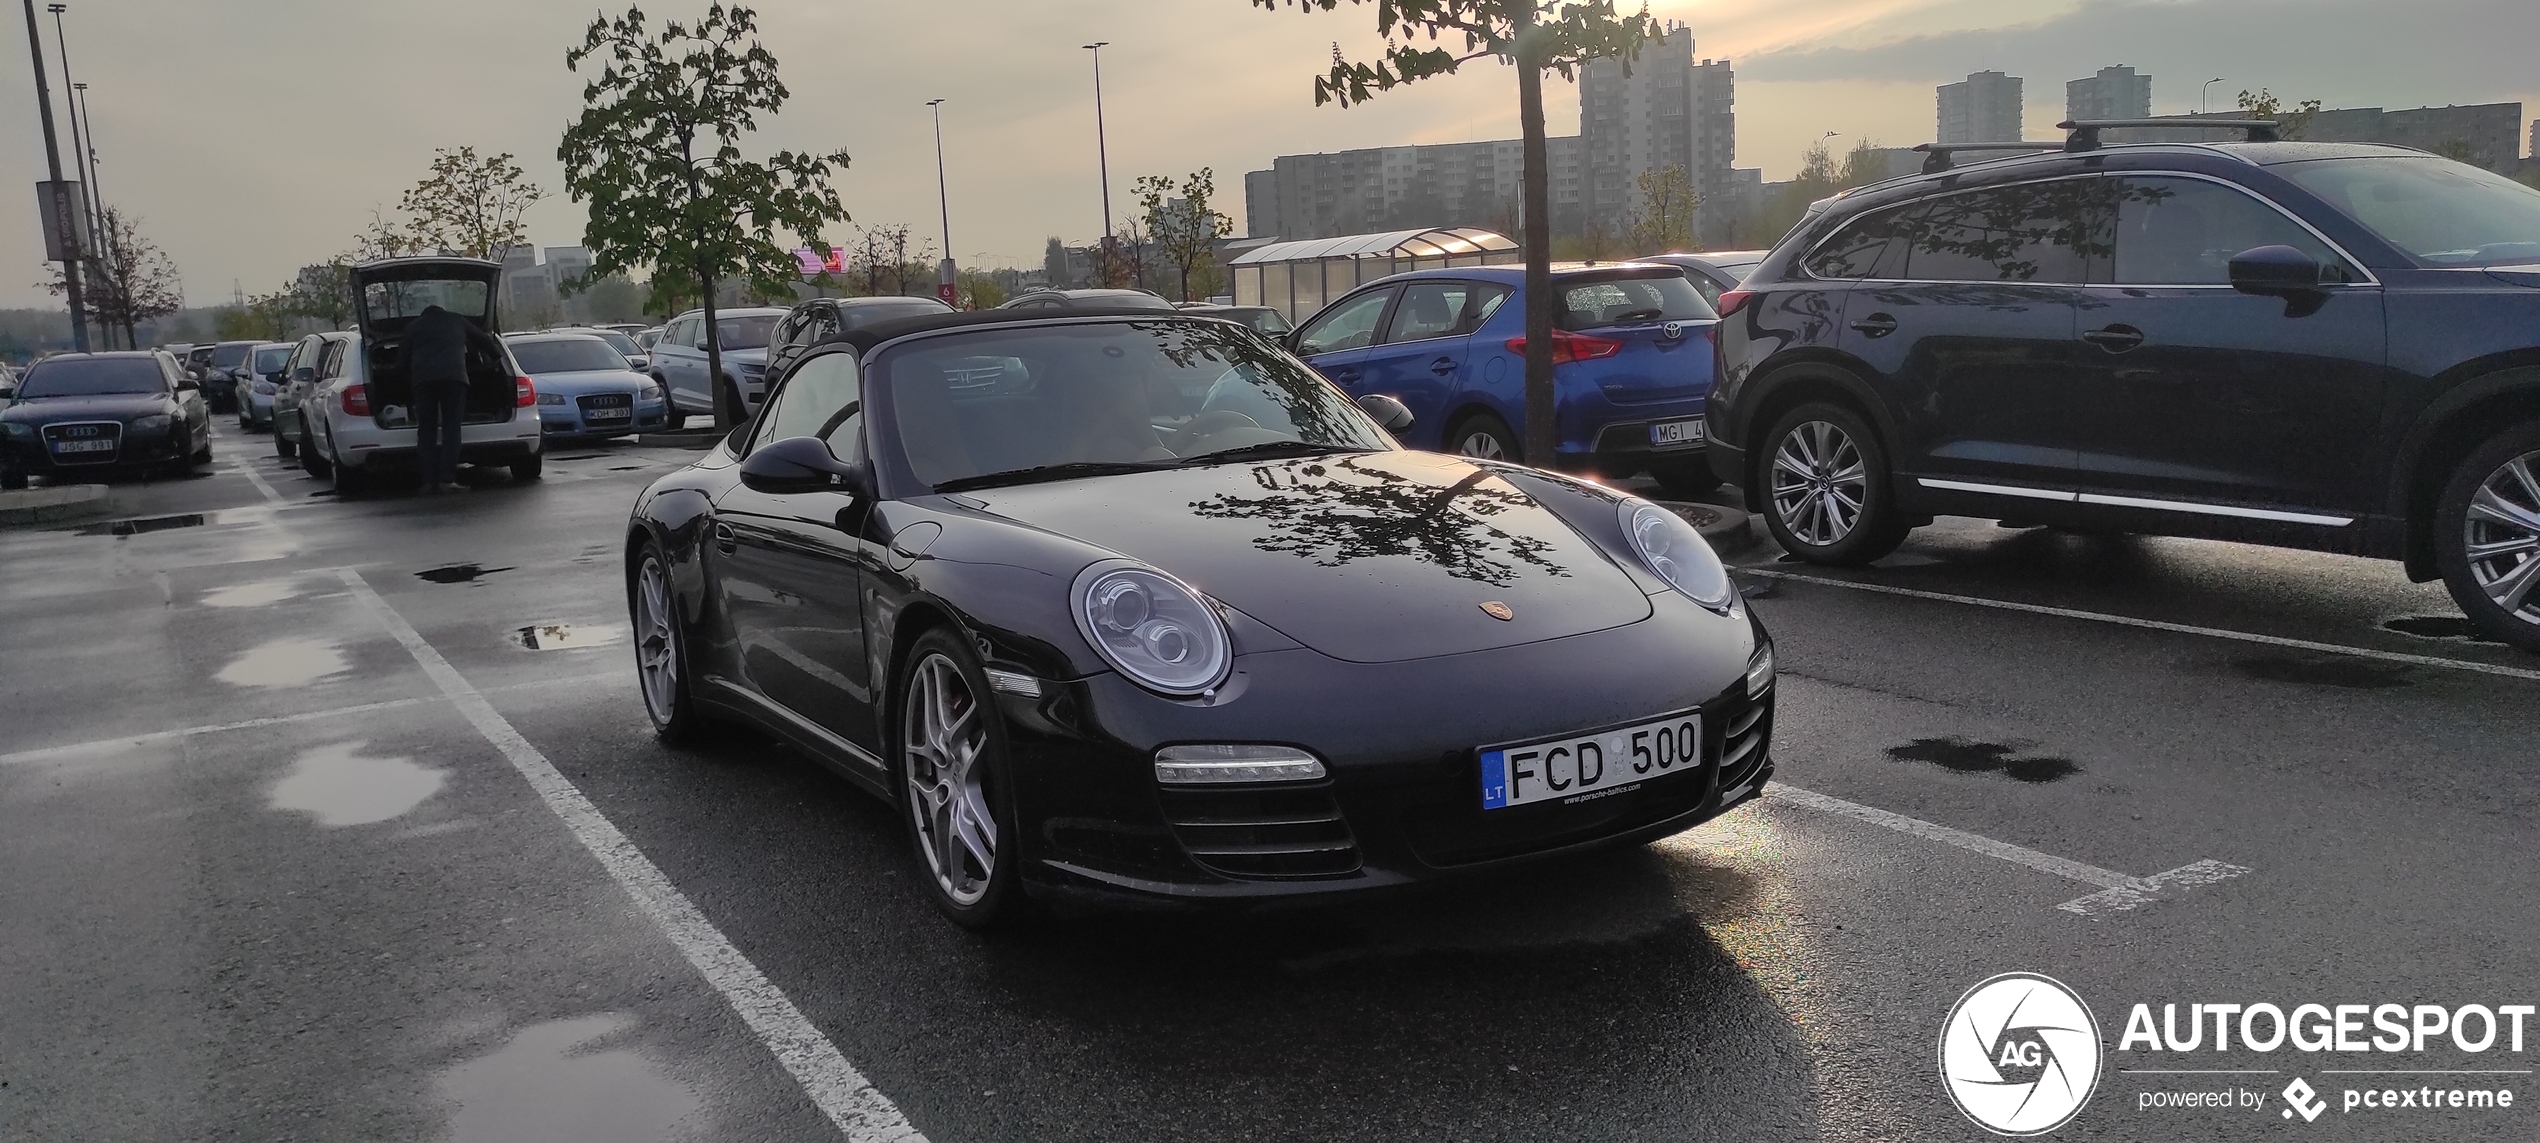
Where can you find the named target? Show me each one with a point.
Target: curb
(51, 504)
(1729, 530)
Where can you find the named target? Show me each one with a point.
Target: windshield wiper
(1043, 472)
(1651, 314)
(1269, 448)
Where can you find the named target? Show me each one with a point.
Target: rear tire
(951, 756)
(349, 481)
(2487, 536)
(1826, 488)
(661, 649)
(1483, 436)
(530, 469)
(1685, 479)
(315, 465)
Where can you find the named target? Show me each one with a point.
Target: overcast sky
(252, 136)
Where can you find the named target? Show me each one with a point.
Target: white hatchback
(358, 413)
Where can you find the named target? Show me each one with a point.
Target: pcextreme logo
(2020, 1054)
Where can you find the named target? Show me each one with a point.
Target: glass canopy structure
(1297, 278)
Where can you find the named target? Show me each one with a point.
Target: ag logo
(2020, 1054)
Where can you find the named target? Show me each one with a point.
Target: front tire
(1827, 494)
(283, 446)
(661, 649)
(953, 784)
(1483, 436)
(2487, 536)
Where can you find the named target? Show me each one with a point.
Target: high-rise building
(1663, 109)
(1403, 188)
(1985, 107)
(2115, 93)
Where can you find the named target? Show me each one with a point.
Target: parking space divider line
(2017, 855)
(859, 1111)
(2159, 625)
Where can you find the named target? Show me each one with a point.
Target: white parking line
(2118, 892)
(102, 744)
(841, 1092)
(2158, 625)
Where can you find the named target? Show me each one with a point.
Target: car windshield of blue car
(2437, 211)
(999, 405)
(1630, 300)
(92, 377)
(566, 355)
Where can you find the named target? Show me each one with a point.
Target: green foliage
(470, 205)
(980, 290)
(1559, 35)
(130, 282)
(613, 298)
(656, 153)
(323, 292)
(1820, 175)
(2263, 104)
(1662, 223)
(1054, 264)
(1185, 228)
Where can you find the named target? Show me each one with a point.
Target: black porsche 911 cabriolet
(1131, 607)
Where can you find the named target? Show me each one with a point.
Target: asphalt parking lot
(341, 820)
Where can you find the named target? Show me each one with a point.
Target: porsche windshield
(973, 406)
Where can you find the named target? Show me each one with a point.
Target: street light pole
(88, 203)
(943, 202)
(2201, 92)
(53, 162)
(1102, 154)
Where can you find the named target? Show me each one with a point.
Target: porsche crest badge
(1499, 611)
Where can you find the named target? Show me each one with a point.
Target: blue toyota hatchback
(1632, 359)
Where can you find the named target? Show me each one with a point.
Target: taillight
(1732, 301)
(356, 401)
(1568, 347)
(524, 393)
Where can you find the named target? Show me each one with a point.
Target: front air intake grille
(1263, 832)
(1743, 743)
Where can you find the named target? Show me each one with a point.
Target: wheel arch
(1798, 383)
(2448, 429)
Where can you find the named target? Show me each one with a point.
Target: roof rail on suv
(2085, 132)
(1938, 157)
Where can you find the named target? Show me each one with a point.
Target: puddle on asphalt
(457, 573)
(568, 636)
(255, 594)
(1968, 757)
(629, 468)
(582, 456)
(2351, 674)
(285, 663)
(148, 524)
(547, 1083)
(341, 786)
(2436, 627)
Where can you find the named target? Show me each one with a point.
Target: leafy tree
(323, 292)
(657, 154)
(1536, 36)
(1185, 228)
(131, 282)
(1054, 264)
(470, 205)
(384, 239)
(2263, 104)
(614, 298)
(1663, 222)
(980, 291)
(1126, 268)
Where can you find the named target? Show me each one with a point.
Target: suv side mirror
(1388, 412)
(186, 383)
(2274, 272)
(304, 375)
(802, 464)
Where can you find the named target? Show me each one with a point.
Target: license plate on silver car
(1666, 433)
(1592, 765)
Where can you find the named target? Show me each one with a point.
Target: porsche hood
(1370, 558)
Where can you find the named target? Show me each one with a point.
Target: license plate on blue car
(1666, 433)
(1594, 765)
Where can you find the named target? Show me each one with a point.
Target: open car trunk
(388, 295)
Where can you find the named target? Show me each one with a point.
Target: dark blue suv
(2314, 345)
(1632, 359)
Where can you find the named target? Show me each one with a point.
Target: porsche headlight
(154, 423)
(1152, 628)
(1677, 553)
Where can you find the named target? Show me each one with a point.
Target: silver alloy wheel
(945, 739)
(1820, 482)
(2501, 535)
(1481, 443)
(656, 641)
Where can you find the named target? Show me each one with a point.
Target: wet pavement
(273, 877)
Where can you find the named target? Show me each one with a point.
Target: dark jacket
(436, 344)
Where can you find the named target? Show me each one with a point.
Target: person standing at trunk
(434, 360)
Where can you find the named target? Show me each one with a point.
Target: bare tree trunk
(1542, 434)
(726, 414)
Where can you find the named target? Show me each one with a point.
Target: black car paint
(997, 566)
(182, 401)
(2353, 409)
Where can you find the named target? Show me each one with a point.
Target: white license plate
(607, 414)
(84, 446)
(1591, 765)
(1666, 433)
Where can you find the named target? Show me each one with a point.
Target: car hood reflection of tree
(1375, 557)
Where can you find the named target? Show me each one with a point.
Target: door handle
(1875, 325)
(2115, 338)
(1442, 366)
(723, 541)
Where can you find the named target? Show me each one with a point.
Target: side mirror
(1392, 414)
(2274, 272)
(802, 464)
(304, 375)
(184, 384)
(1288, 341)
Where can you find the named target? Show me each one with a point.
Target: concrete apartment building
(1985, 107)
(2115, 93)
(1670, 109)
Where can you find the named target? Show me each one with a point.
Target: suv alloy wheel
(2487, 536)
(1826, 492)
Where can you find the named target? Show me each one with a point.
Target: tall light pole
(79, 147)
(945, 288)
(54, 205)
(2200, 93)
(1102, 155)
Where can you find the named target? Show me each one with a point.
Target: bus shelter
(1298, 278)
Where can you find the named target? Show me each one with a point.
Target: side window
(2032, 232)
(1485, 301)
(824, 322)
(331, 362)
(2183, 232)
(1854, 251)
(1428, 309)
(790, 327)
(1349, 325)
(822, 398)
